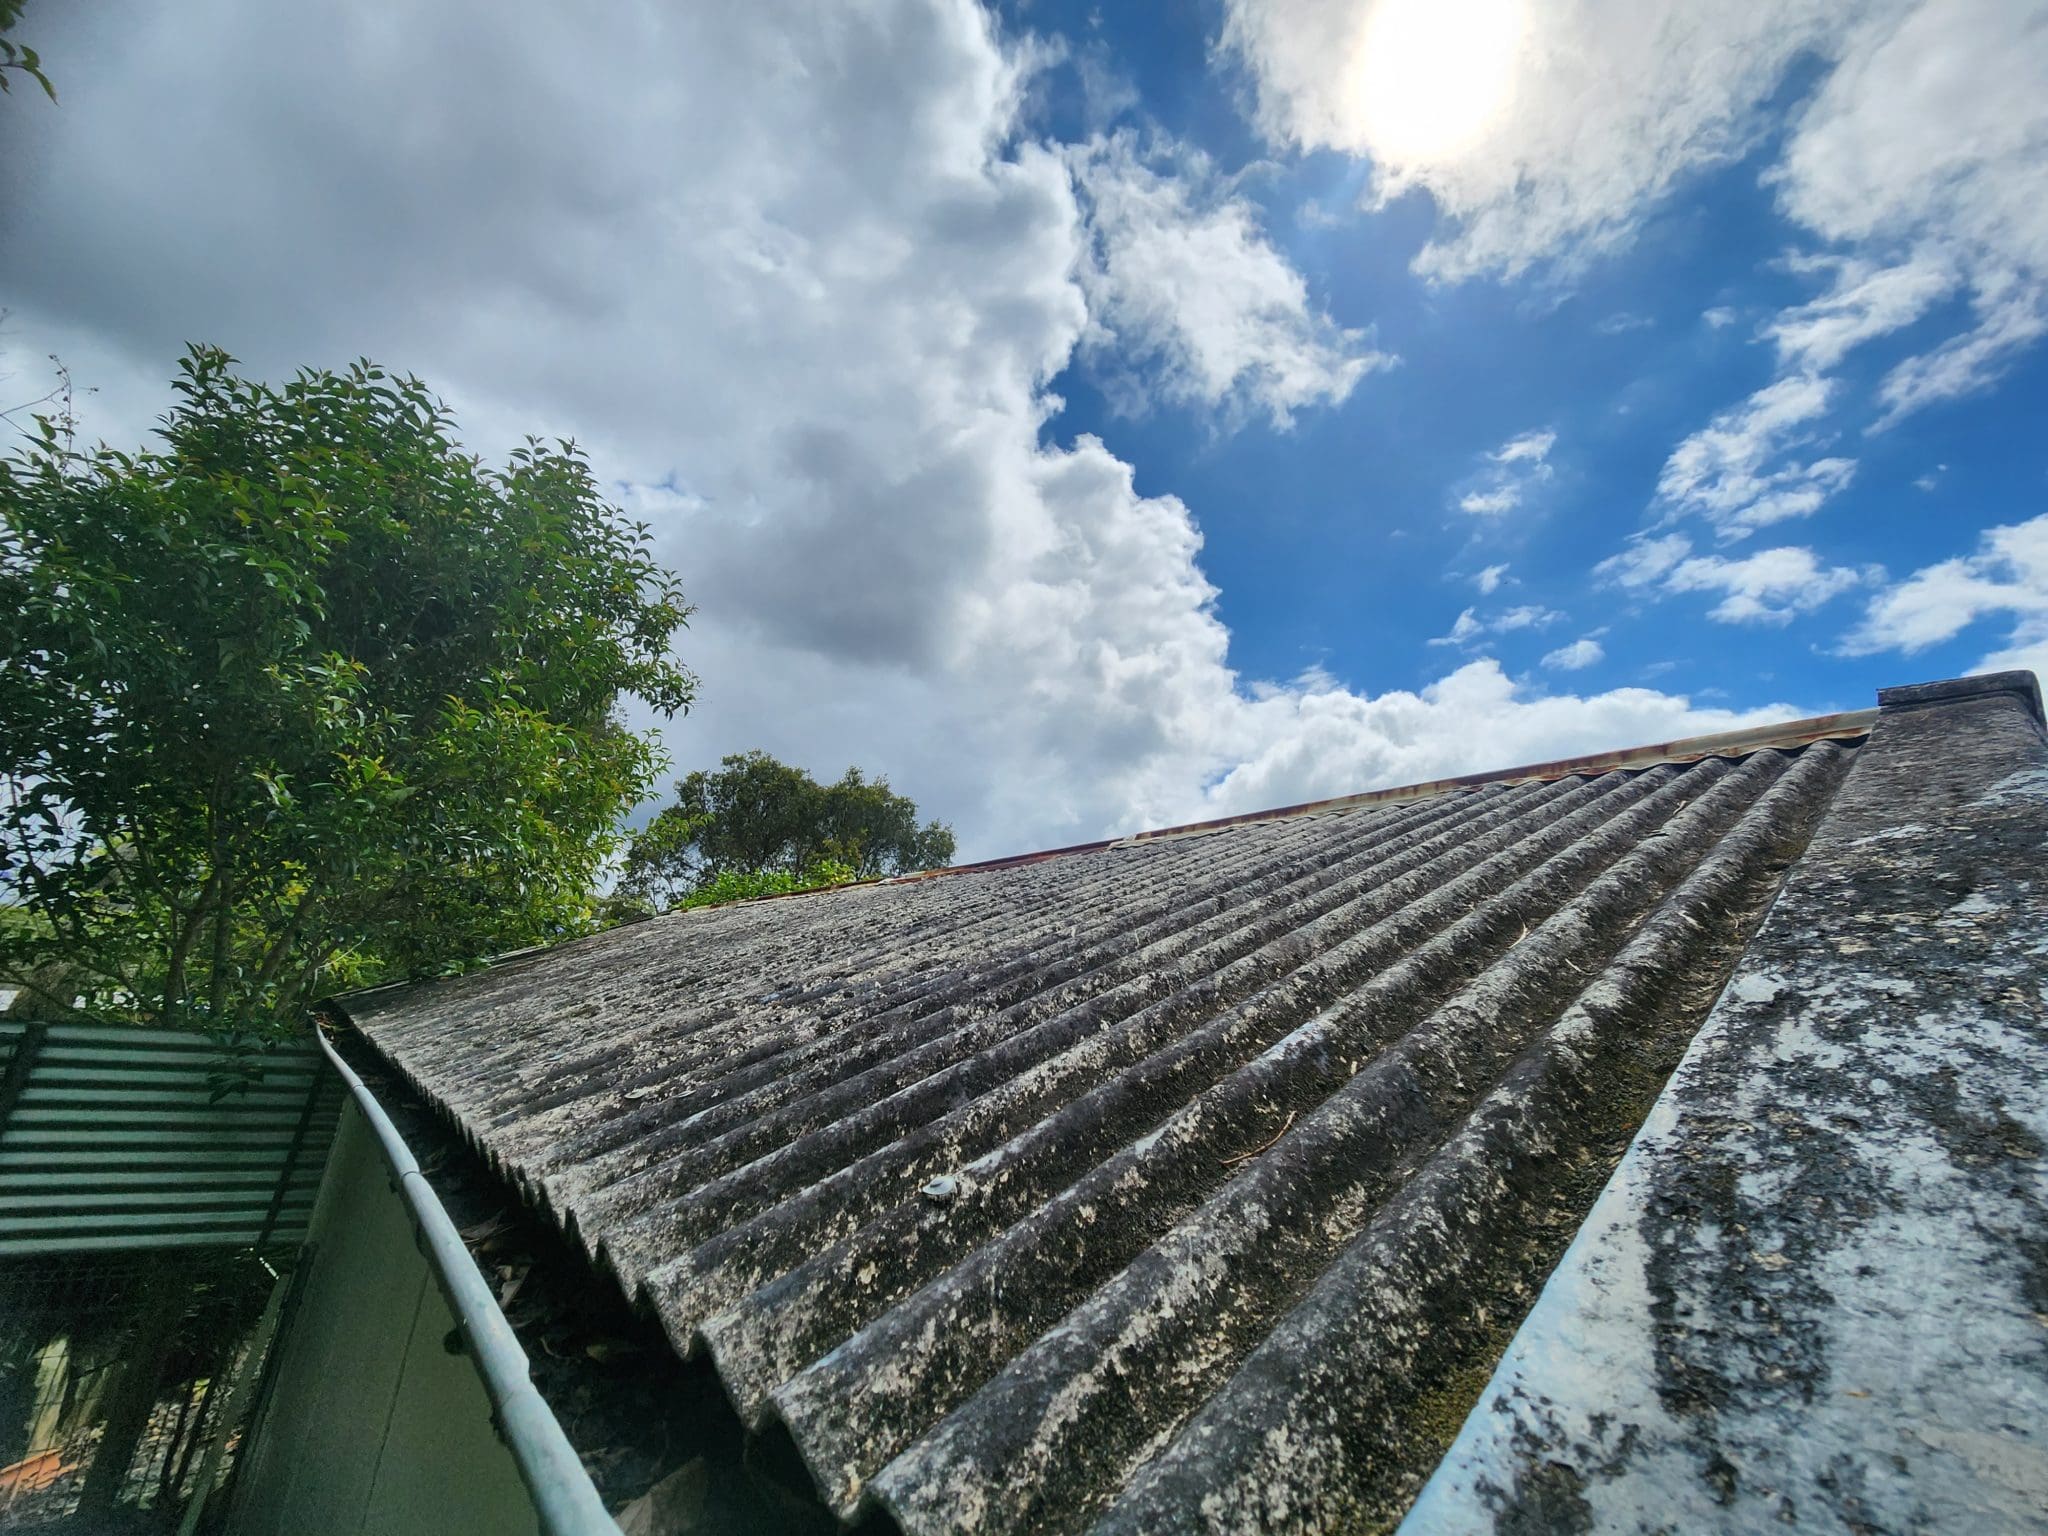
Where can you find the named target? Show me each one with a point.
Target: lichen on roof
(1173, 1182)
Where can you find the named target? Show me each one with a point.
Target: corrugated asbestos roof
(1814, 1296)
(1184, 1181)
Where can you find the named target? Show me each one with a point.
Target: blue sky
(1332, 542)
(1104, 416)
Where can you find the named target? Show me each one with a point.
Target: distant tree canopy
(307, 697)
(756, 816)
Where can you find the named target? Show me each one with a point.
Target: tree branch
(183, 939)
(281, 948)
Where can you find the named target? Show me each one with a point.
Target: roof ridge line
(1755, 738)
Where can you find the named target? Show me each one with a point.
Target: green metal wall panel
(111, 1137)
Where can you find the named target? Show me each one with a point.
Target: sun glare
(1432, 75)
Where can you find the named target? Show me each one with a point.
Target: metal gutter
(564, 1498)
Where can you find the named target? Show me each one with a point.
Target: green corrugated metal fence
(112, 1137)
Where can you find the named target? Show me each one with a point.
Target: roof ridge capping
(1981, 685)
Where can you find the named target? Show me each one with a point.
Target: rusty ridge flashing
(1848, 725)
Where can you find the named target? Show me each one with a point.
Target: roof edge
(1935, 807)
(1790, 733)
(1847, 724)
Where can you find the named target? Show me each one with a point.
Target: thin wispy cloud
(1582, 653)
(1643, 561)
(1508, 474)
(1471, 626)
(1745, 470)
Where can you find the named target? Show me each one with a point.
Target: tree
(19, 57)
(308, 697)
(756, 816)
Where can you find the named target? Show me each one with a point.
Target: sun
(1431, 76)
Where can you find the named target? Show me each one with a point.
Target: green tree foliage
(19, 58)
(756, 816)
(308, 697)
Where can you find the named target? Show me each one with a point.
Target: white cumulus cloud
(1768, 587)
(1191, 301)
(800, 280)
(2007, 577)
(1337, 740)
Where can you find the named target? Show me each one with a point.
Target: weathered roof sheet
(1183, 1176)
(1815, 1296)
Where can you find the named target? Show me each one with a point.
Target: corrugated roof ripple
(1138, 1189)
